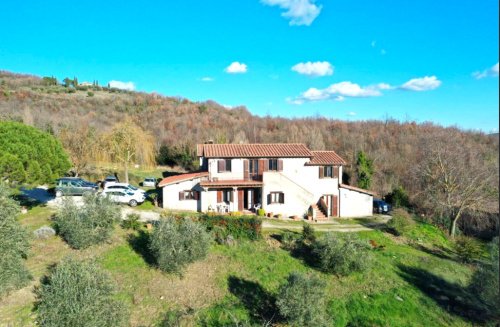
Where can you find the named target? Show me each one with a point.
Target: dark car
(109, 178)
(380, 206)
(74, 186)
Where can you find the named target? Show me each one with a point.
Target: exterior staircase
(318, 213)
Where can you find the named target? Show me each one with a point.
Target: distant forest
(399, 150)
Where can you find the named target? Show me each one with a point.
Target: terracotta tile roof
(325, 158)
(231, 183)
(181, 178)
(278, 150)
(357, 189)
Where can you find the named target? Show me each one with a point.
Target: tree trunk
(126, 168)
(453, 227)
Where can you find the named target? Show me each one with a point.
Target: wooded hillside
(398, 149)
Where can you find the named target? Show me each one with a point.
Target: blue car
(381, 207)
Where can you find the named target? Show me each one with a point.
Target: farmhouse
(283, 179)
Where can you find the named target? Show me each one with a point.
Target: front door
(241, 199)
(331, 204)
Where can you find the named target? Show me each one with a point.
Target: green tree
(79, 294)
(30, 155)
(301, 301)
(67, 82)
(364, 170)
(398, 198)
(92, 223)
(14, 245)
(175, 244)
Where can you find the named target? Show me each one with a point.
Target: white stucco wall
(355, 204)
(171, 195)
(236, 172)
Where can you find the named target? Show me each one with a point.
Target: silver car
(149, 182)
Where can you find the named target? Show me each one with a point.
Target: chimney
(209, 141)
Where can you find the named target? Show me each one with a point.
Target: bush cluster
(467, 248)
(14, 245)
(401, 222)
(131, 222)
(301, 301)
(341, 255)
(239, 227)
(175, 243)
(79, 294)
(89, 224)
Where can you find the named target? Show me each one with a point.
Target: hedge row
(239, 227)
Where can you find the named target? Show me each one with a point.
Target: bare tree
(128, 143)
(81, 143)
(456, 179)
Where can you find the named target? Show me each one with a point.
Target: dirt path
(318, 227)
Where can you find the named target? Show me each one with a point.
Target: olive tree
(177, 243)
(91, 223)
(14, 245)
(79, 294)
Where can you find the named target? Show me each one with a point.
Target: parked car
(380, 206)
(109, 179)
(125, 197)
(122, 187)
(74, 186)
(149, 182)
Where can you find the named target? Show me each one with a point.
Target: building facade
(283, 179)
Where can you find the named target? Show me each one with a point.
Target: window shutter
(282, 197)
(231, 196)
(219, 196)
(321, 172)
(269, 198)
(181, 195)
(227, 164)
(196, 195)
(336, 172)
(262, 164)
(221, 165)
(280, 164)
(246, 170)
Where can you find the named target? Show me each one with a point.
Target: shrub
(401, 222)
(14, 245)
(131, 222)
(398, 198)
(289, 240)
(89, 224)
(301, 300)
(467, 248)
(261, 213)
(176, 243)
(308, 234)
(90, 94)
(341, 255)
(235, 214)
(79, 294)
(485, 281)
(239, 227)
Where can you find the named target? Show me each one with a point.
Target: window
(273, 164)
(224, 165)
(254, 166)
(227, 195)
(276, 197)
(328, 171)
(188, 195)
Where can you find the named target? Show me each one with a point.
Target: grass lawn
(414, 281)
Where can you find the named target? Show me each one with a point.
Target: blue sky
(423, 60)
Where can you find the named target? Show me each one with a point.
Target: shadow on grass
(260, 304)
(436, 251)
(451, 297)
(139, 243)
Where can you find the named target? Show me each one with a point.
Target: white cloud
(339, 92)
(129, 86)
(318, 68)
(426, 83)
(490, 72)
(351, 113)
(299, 12)
(236, 68)
(207, 79)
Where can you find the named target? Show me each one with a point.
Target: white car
(149, 182)
(122, 187)
(124, 196)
